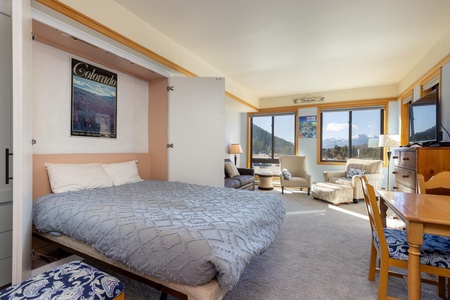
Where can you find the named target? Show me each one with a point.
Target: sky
(94, 87)
(364, 122)
(284, 126)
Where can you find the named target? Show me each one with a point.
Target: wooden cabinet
(412, 161)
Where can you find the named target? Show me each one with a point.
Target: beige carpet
(321, 252)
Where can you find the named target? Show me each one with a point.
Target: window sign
(307, 127)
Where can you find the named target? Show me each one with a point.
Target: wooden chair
(439, 181)
(437, 184)
(391, 248)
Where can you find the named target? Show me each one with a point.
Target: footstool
(75, 280)
(265, 181)
(331, 192)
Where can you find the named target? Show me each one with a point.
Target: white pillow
(74, 177)
(286, 174)
(122, 173)
(231, 169)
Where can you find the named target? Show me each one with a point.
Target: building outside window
(271, 136)
(351, 133)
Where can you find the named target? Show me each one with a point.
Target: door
(196, 130)
(5, 143)
(22, 119)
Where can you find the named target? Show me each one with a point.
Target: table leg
(415, 239)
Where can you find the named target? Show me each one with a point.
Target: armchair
(353, 170)
(296, 175)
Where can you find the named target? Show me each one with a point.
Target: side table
(265, 181)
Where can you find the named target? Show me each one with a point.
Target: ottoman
(75, 280)
(331, 192)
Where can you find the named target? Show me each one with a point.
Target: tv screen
(424, 121)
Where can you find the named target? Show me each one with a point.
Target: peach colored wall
(41, 185)
(158, 128)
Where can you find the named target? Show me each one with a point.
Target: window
(272, 136)
(351, 133)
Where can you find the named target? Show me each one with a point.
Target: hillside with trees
(262, 143)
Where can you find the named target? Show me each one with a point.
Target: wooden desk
(422, 213)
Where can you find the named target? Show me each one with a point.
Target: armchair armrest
(332, 174)
(246, 171)
(308, 178)
(374, 177)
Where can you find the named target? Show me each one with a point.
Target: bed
(191, 241)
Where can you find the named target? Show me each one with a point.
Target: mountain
(358, 140)
(262, 142)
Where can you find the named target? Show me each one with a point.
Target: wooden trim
(404, 117)
(249, 140)
(48, 239)
(349, 105)
(319, 137)
(404, 108)
(429, 73)
(357, 103)
(345, 104)
(431, 76)
(284, 108)
(249, 123)
(386, 131)
(231, 96)
(406, 95)
(108, 32)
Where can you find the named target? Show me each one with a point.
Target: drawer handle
(405, 158)
(405, 176)
(395, 188)
(395, 157)
(394, 172)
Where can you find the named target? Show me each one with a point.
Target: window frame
(271, 160)
(350, 106)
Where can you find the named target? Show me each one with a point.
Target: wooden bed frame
(41, 186)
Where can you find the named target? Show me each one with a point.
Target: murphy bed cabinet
(410, 161)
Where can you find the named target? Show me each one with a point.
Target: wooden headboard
(41, 184)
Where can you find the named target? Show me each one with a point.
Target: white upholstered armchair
(353, 170)
(296, 175)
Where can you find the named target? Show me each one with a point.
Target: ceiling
(292, 47)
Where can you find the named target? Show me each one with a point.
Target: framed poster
(94, 101)
(307, 127)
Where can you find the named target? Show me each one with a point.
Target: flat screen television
(424, 120)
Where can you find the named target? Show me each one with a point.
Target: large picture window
(351, 133)
(271, 136)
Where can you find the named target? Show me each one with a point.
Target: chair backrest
(373, 212)
(295, 164)
(369, 166)
(439, 181)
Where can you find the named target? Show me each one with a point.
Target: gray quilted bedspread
(175, 231)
